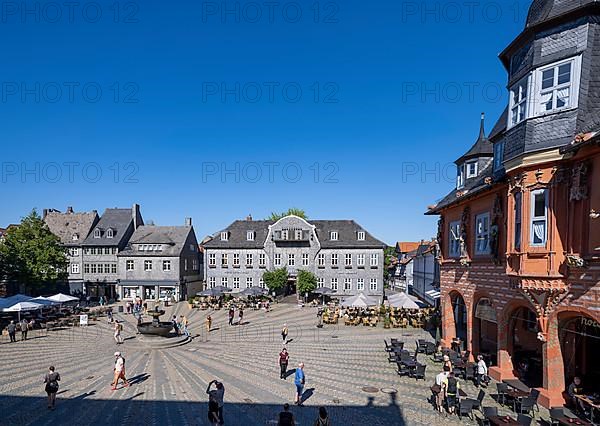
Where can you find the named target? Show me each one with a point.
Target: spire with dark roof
(482, 147)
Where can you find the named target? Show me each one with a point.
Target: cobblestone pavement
(168, 386)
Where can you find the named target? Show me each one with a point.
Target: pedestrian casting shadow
(290, 373)
(129, 338)
(307, 394)
(289, 341)
(139, 378)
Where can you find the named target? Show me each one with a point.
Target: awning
(433, 294)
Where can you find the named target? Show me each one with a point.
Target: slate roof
(117, 219)
(472, 187)
(347, 235)
(65, 225)
(500, 125)
(542, 11)
(482, 146)
(425, 248)
(172, 239)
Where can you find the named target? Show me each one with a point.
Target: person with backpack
(118, 329)
(286, 418)
(119, 371)
(323, 419)
(452, 389)
(51, 380)
(283, 363)
(284, 333)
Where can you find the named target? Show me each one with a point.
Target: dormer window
(498, 155)
(75, 237)
(471, 167)
(361, 235)
(110, 233)
(97, 233)
(224, 236)
(556, 87)
(333, 235)
(284, 234)
(249, 235)
(298, 233)
(460, 177)
(518, 101)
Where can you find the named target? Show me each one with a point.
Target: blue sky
(344, 109)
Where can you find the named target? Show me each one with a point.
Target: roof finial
(482, 128)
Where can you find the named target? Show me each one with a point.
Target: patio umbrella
(402, 300)
(214, 292)
(23, 306)
(44, 301)
(359, 301)
(62, 298)
(5, 302)
(324, 291)
(254, 291)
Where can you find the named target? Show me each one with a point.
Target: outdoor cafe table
(564, 420)
(593, 405)
(516, 395)
(517, 384)
(502, 420)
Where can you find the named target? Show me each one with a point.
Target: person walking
(213, 411)
(119, 371)
(452, 392)
(51, 380)
(24, 328)
(109, 314)
(184, 325)
(12, 331)
(240, 316)
(118, 328)
(441, 382)
(175, 326)
(284, 333)
(231, 315)
(283, 363)
(208, 323)
(299, 381)
(482, 371)
(218, 394)
(286, 418)
(323, 419)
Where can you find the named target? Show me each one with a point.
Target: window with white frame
(249, 235)
(277, 260)
(348, 259)
(305, 259)
(75, 268)
(284, 234)
(518, 220)
(519, 94)
(166, 265)
(321, 260)
(185, 264)
(236, 282)
(224, 282)
(262, 260)
(261, 282)
(454, 239)
(320, 282)
(249, 259)
(360, 259)
(194, 264)
(249, 282)
(129, 265)
(212, 282)
(374, 259)
(298, 234)
(75, 237)
(360, 284)
(113, 268)
(147, 265)
(539, 217)
(482, 234)
(498, 155)
(291, 259)
(224, 236)
(334, 259)
(97, 233)
(110, 233)
(471, 167)
(460, 176)
(212, 259)
(373, 284)
(347, 284)
(334, 284)
(236, 259)
(224, 260)
(360, 235)
(333, 235)
(556, 87)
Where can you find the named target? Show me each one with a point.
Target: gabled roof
(500, 125)
(171, 238)
(119, 220)
(542, 11)
(236, 235)
(482, 146)
(406, 246)
(472, 187)
(67, 225)
(426, 247)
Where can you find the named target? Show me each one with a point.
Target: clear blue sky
(369, 94)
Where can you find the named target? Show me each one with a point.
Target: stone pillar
(470, 335)
(554, 373)
(448, 325)
(504, 369)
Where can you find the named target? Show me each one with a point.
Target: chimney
(69, 210)
(135, 212)
(188, 221)
(249, 217)
(44, 213)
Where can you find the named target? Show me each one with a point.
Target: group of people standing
(231, 315)
(24, 326)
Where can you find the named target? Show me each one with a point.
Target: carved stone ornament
(517, 182)
(579, 182)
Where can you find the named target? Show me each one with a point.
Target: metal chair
(502, 389)
(477, 403)
(403, 370)
(487, 413)
(419, 372)
(535, 394)
(465, 408)
(526, 406)
(556, 413)
(524, 420)
(469, 372)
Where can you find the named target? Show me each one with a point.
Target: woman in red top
(283, 363)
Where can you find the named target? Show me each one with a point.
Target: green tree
(32, 256)
(291, 211)
(389, 254)
(276, 280)
(306, 282)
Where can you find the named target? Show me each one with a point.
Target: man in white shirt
(119, 371)
(441, 380)
(482, 370)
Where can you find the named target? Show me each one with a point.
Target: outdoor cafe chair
(524, 420)
(403, 370)
(556, 413)
(430, 348)
(469, 372)
(502, 396)
(535, 394)
(489, 412)
(419, 372)
(526, 405)
(477, 403)
(465, 408)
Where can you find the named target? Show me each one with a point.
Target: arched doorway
(579, 337)
(459, 312)
(526, 348)
(485, 331)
